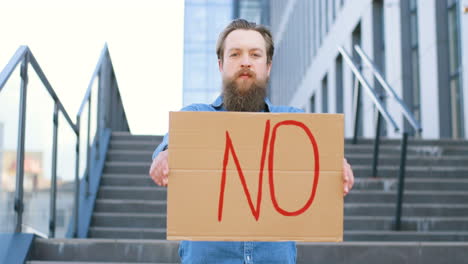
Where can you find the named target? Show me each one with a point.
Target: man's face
(244, 50)
(244, 69)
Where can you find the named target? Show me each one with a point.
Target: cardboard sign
(255, 177)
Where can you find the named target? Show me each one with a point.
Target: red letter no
(229, 148)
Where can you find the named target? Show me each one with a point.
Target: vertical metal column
(88, 148)
(376, 144)
(357, 108)
(20, 149)
(77, 179)
(401, 181)
(53, 189)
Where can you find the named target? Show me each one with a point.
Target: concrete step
(129, 155)
(413, 171)
(409, 210)
(105, 250)
(381, 184)
(127, 167)
(127, 233)
(152, 220)
(405, 236)
(428, 197)
(423, 151)
(353, 159)
(363, 159)
(127, 136)
(127, 180)
(411, 141)
(130, 220)
(130, 206)
(134, 145)
(423, 224)
(151, 193)
(121, 167)
(382, 252)
(160, 251)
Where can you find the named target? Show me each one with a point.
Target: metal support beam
(401, 181)
(53, 189)
(77, 179)
(356, 109)
(20, 147)
(376, 145)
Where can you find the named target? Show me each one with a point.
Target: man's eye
(233, 54)
(256, 55)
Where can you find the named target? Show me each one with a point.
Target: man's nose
(245, 62)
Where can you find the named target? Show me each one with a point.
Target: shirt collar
(219, 102)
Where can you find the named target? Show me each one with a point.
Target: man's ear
(269, 68)
(220, 65)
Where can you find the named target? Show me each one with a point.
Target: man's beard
(244, 99)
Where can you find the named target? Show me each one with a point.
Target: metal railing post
(77, 178)
(376, 145)
(88, 147)
(53, 189)
(20, 148)
(357, 108)
(401, 181)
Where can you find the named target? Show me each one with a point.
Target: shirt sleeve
(165, 142)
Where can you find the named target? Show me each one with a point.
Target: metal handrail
(377, 102)
(378, 75)
(24, 56)
(381, 111)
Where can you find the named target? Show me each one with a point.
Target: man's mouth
(245, 76)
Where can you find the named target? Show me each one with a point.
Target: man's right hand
(160, 169)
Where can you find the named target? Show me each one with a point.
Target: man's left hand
(348, 177)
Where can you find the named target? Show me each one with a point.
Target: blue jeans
(201, 252)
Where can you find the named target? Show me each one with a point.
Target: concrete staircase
(129, 220)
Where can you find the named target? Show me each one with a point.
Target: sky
(145, 39)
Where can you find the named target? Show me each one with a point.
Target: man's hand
(160, 169)
(348, 177)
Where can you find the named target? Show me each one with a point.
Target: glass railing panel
(38, 157)
(9, 109)
(65, 176)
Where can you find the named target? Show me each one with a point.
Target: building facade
(203, 21)
(418, 45)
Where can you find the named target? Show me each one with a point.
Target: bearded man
(245, 51)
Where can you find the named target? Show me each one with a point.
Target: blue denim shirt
(198, 252)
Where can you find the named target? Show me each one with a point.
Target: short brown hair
(244, 24)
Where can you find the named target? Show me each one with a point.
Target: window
(416, 105)
(324, 94)
(455, 68)
(449, 66)
(339, 84)
(312, 103)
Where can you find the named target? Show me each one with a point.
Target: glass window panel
(414, 29)
(453, 40)
(456, 108)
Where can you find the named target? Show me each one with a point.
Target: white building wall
(428, 68)
(367, 46)
(393, 60)
(340, 34)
